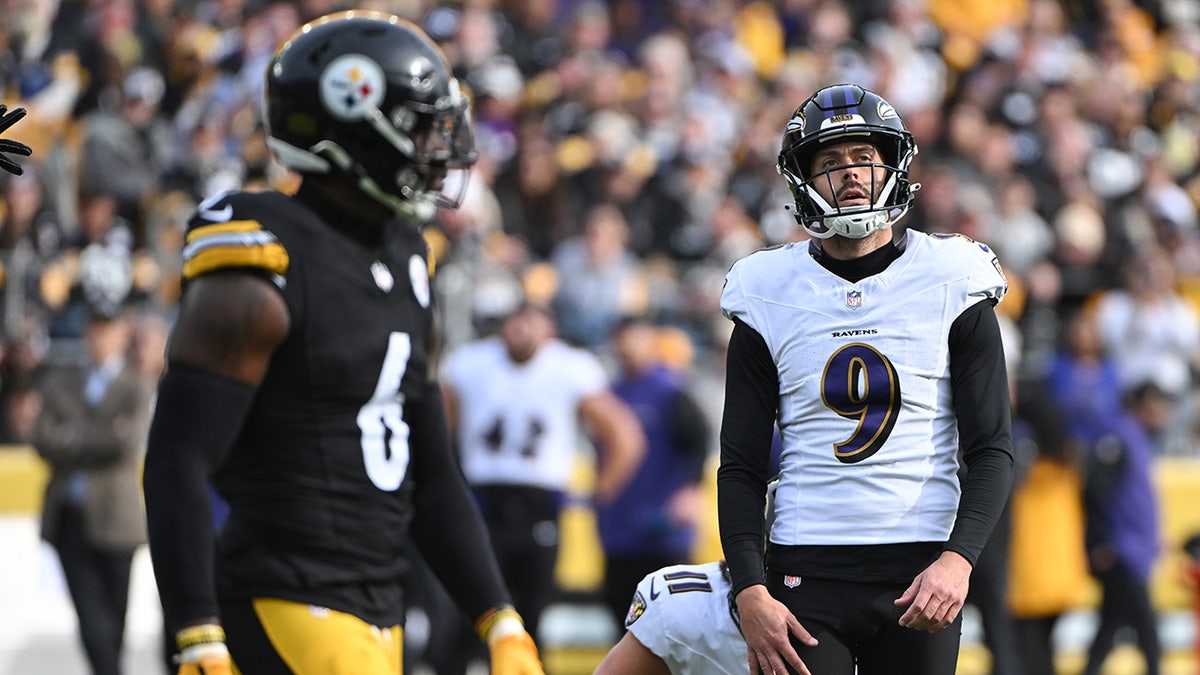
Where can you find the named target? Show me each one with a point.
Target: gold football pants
(280, 637)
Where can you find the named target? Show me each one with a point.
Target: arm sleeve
(691, 432)
(196, 420)
(979, 382)
(448, 528)
(751, 403)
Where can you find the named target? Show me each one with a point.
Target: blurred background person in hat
(91, 429)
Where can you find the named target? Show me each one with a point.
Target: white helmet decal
(352, 86)
(796, 123)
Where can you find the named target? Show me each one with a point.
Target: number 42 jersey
(869, 433)
(320, 478)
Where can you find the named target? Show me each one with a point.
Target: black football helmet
(371, 96)
(833, 115)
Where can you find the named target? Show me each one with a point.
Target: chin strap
(417, 211)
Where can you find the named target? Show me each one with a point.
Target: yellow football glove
(202, 651)
(512, 649)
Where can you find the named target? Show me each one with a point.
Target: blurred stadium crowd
(627, 158)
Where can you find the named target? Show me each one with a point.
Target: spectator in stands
(30, 236)
(42, 68)
(534, 193)
(1083, 380)
(24, 354)
(126, 151)
(599, 279)
(102, 246)
(1152, 333)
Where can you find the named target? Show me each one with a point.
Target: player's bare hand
(767, 626)
(937, 595)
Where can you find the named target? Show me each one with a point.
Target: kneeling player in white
(681, 621)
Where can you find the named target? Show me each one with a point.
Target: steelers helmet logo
(352, 86)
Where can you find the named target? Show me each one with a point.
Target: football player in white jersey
(878, 356)
(692, 629)
(681, 622)
(519, 403)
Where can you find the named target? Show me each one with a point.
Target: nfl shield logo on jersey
(791, 580)
(383, 276)
(854, 299)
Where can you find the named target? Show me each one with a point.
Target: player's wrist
(498, 623)
(750, 592)
(956, 556)
(201, 642)
(199, 634)
(204, 652)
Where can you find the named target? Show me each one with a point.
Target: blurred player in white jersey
(521, 404)
(879, 356)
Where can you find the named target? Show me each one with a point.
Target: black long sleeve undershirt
(448, 527)
(979, 384)
(981, 400)
(751, 402)
(196, 419)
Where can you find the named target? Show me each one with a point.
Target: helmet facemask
(439, 150)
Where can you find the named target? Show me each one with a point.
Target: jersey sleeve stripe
(223, 228)
(272, 257)
(232, 239)
(237, 243)
(689, 586)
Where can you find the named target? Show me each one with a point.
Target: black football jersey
(318, 481)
